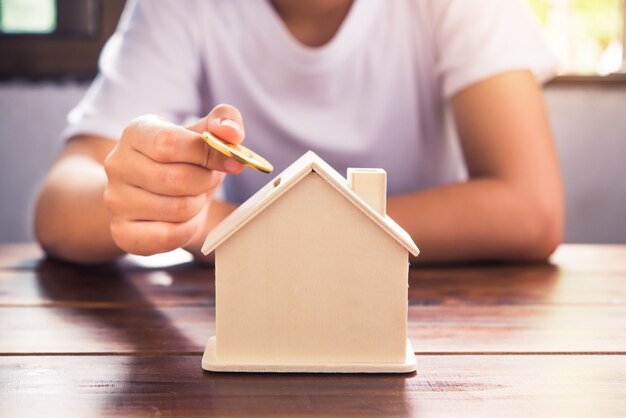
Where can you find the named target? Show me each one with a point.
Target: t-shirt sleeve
(149, 65)
(477, 39)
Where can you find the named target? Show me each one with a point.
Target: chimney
(370, 184)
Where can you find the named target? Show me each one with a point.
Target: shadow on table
(107, 313)
(301, 394)
(110, 305)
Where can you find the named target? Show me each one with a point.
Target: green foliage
(541, 9)
(598, 20)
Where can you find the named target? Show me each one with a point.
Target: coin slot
(276, 181)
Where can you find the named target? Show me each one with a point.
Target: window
(54, 38)
(54, 18)
(27, 16)
(587, 35)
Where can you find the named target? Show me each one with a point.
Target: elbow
(55, 235)
(44, 226)
(48, 231)
(545, 242)
(542, 231)
(53, 244)
(58, 247)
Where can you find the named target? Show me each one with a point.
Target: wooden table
(126, 340)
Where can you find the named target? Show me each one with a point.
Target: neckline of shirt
(314, 59)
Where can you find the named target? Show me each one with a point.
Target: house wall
(309, 280)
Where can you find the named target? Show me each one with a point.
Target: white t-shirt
(374, 96)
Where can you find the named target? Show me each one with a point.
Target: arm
(512, 206)
(150, 192)
(71, 220)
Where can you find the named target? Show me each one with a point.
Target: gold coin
(238, 153)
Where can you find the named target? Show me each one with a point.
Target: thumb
(224, 121)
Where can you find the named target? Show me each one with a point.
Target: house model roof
(273, 190)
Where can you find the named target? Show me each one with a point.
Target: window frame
(77, 39)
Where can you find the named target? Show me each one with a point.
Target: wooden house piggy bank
(312, 276)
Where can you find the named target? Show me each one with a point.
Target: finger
(135, 204)
(152, 237)
(224, 121)
(166, 142)
(170, 179)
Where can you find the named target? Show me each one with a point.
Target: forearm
(71, 220)
(483, 219)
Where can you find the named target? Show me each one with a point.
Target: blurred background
(49, 51)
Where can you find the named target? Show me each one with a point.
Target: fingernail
(231, 123)
(232, 166)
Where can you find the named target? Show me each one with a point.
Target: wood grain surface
(456, 386)
(492, 340)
